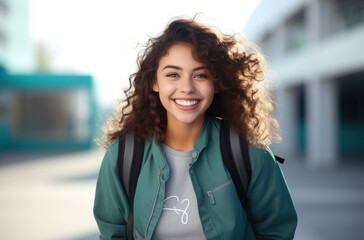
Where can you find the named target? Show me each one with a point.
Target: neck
(182, 137)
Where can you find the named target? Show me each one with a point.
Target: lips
(187, 104)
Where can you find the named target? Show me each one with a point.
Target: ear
(155, 85)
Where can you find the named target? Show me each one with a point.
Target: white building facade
(16, 50)
(315, 50)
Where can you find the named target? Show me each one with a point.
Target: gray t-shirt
(180, 218)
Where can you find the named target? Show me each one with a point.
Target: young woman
(189, 78)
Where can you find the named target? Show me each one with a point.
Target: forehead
(179, 53)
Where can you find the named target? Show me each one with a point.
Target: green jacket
(221, 213)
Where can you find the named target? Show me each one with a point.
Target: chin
(190, 120)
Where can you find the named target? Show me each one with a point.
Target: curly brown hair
(242, 99)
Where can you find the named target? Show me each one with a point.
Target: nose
(187, 85)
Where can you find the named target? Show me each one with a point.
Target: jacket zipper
(154, 203)
(211, 192)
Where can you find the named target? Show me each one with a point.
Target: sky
(101, 37)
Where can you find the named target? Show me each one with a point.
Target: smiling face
(185, 86)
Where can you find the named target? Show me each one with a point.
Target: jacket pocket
(217, 189)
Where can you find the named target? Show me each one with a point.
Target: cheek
(165, 93)
(209, 89)
(166, 88)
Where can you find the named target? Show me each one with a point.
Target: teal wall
(46, 83)
(351, 140)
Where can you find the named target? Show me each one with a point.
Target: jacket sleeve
(269, 199)
(111, 206)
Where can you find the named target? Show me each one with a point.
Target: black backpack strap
(130, 157)
(235, 154)
(239, 149)
(236, 159)
(279, 159)
(126, 162)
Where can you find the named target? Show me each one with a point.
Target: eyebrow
(179, 68)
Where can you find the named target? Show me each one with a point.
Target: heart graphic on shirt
(173, 203)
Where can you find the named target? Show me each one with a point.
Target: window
(56, 115)
(270, 45)
(347, 14)
(296, 31)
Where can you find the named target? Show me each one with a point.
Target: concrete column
(280, 40)
(327, 17)
(322, 121)
(287, 117)
(313, 20)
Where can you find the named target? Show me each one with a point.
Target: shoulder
(260, 152)
(111, 154)
(261, 157)
(113, 148)
(265, 171)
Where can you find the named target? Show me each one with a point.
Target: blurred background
(64, 63)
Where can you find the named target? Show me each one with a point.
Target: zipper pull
(211, 195)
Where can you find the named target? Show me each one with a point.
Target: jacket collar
(199, 145)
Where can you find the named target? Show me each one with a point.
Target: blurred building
(44, 111)
(3, 33)
(16, 51)
(315, 50)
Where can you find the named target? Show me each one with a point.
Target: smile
(186, 103)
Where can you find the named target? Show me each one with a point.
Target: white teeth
(186, 102)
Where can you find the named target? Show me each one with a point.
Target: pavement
(50, 197)
(329, 202)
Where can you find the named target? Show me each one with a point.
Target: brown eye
(200, 76)
(172, 75)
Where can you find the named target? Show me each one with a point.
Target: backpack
(235, 155)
